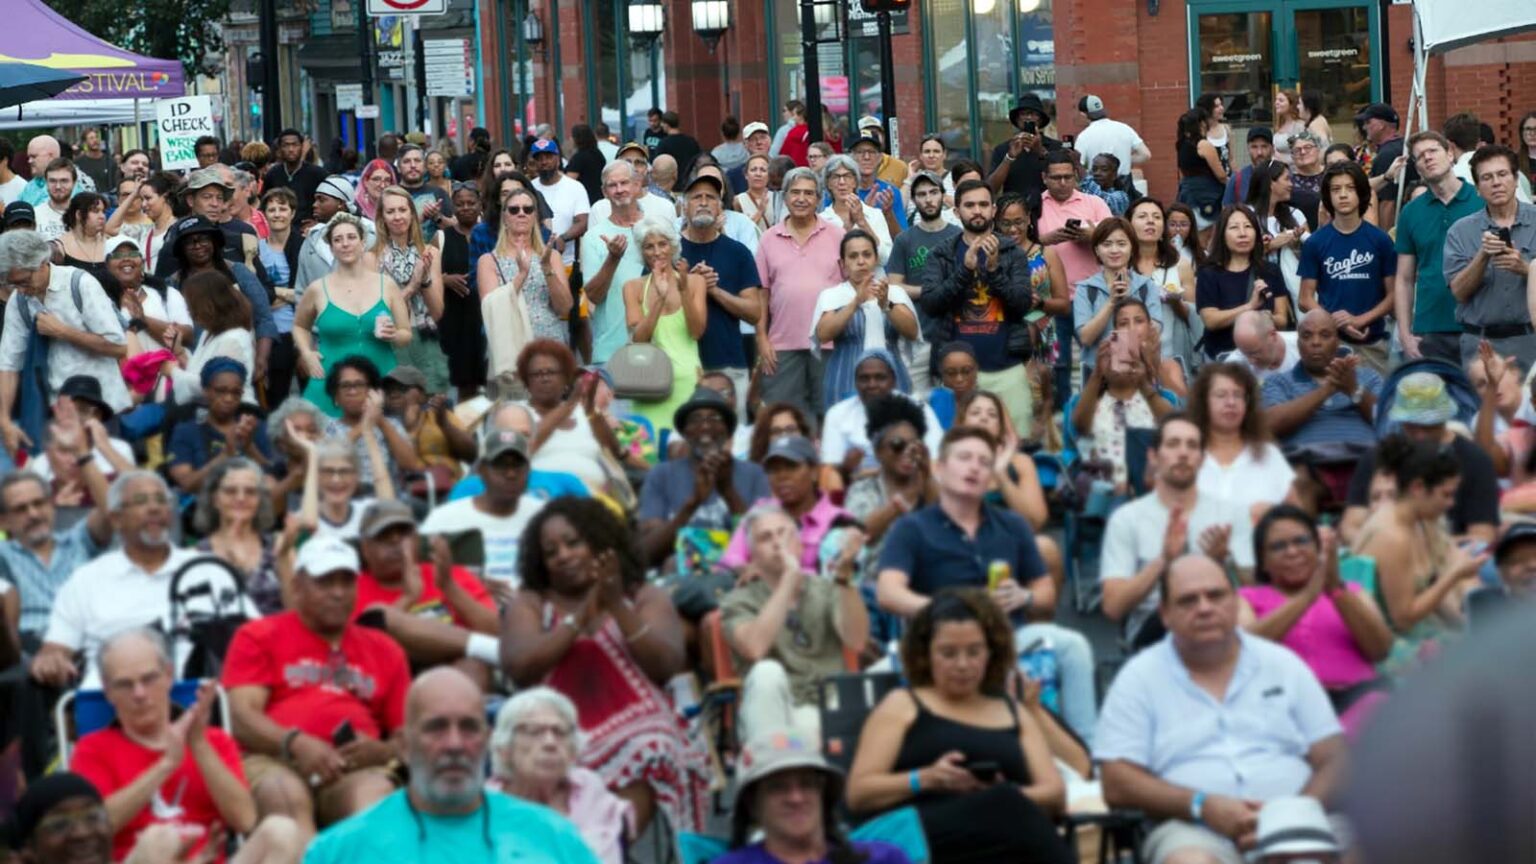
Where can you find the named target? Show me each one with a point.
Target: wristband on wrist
(914, 781)
(286, 749)
(1197, 807)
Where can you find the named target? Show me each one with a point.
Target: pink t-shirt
(1320, 637)
(794, 276)
(1076, 258)
(814, 525)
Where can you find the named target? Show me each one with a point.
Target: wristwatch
(569, 620)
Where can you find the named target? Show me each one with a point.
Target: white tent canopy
(1447, 24)
(73, 112)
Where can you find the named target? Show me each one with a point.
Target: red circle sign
(405, 5)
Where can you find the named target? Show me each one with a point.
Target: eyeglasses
(352, 385)
(559, 731)
(159, 499)
(240, 491)
(898, 445)
(543, 373)
(1300, 541)
(522, 210)
(1012, 224)
(957, 371)
(60, 825)
(840, 175)
(338, 472)
(124, 255)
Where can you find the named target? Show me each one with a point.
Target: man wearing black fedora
(1019, 162)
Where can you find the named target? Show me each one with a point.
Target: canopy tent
(1441, 25)
(35, 33)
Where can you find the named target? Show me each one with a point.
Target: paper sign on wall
(180, 122)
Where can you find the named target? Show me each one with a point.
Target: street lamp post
(647, 18)
(711, 18)
(271, 92)
(815, 16)
(531, 31)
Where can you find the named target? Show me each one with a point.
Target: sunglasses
(522, 209)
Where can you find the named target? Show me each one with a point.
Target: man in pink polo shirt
(1062, 203)
(796, 259)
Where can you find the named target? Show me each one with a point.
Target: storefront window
(951, 93)
(645, 64)
(836, 89)
(604, 28)
(992, 24)
(1237, 63)
(1333, 48)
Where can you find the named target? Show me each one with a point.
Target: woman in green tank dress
(666, 308)
(352, 311)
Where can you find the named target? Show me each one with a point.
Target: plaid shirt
(39, 583)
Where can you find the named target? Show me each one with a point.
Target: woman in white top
(1242, 467)
(221, 312)
(1285, 227)
(1156, 258)
(128, 217)
(1218, 133)
(840, 180)
(759, 203)
(857, 314)
(932, 154)
(1288, 122)
(1317, 122)
(154, 197)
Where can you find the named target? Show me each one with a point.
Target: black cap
(703, 397)
(707, 179)
(86, 387)
(1378, 111)
(1519, 532)
(19, 211)
(196, 225)
(1261, 133)
(41, 797)
(792, 448)
(871, 140)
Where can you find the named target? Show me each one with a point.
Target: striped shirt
(39, 583)
(1337, 419)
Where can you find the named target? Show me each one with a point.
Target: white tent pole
(1416, 100)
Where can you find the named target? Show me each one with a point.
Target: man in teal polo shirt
(1422, 295)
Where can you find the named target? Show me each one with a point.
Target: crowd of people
(513, 459)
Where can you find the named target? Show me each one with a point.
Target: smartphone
(1074, 224)
(1068, 140)
(373, 619)
(985, 771)
(1122, 352)
(1030, 127)
(343, 734)
(1505, 236)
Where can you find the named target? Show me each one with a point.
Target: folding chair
(81, 712)
(846, 701)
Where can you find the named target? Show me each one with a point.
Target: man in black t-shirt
(471, 165)
(292, 172)
(1019, 162)
(679, 145)
(1380, 123)
(909, 265)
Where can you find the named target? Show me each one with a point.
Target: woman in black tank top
(977, 769)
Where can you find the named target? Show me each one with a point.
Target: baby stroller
(208, 604)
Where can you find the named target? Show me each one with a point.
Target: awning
(34, 33)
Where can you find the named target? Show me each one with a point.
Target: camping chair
(81, 712)
(846, 701)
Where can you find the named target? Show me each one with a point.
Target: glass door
(1244, 49)
(1235, 60)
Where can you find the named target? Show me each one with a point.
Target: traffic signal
(873, 6)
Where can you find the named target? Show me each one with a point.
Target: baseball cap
(869, 121)
(19, 211)
(1519, 532)
(708, 179)
(113, 243)
(865, 139)
(204, 177)
(635, 145)
(926, 177)
(191, 225)
(41, 797)
(1093, 106)
(755, 127)
(1261, 133)
(1378, 111)
(326, 554)
(544, 145)
(795, 448)
(382, 515)
(407, 376)
(501, 442)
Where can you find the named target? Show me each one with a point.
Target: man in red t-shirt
(155, 768)
(315, 697)
(436, 611)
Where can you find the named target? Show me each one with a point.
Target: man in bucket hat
(1423, 407)
(1018, 163)
(787, 791)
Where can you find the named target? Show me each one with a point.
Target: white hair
(23, 250)
(524, 703)
(119, 487)
(665, 228)
(616, 166)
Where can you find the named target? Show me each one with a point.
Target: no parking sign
(407, 7)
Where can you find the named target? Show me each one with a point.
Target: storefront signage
(180, 122)
(407, 7)
(861, 23)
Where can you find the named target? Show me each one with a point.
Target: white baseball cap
(754, 127)
(328, 554)
(869, 121)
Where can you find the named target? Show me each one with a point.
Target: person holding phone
(1099, 294)
(1487, 262)
(1235, 279)
(956, 745)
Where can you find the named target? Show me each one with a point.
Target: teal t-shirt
(1421, 229)
(390, 832)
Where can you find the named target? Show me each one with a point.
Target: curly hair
(889, 410)
(762, 433)
(546, 348)
(356, 362)
(1276, 514)
(959, 606)
(1254, 430)
(597, 526)
(81, 205)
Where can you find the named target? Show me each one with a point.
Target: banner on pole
(179, 123)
